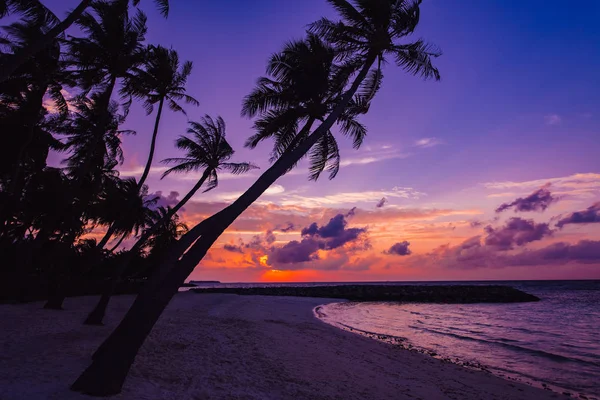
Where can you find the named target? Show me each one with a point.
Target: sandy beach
(219, 346)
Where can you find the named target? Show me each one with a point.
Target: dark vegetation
(69, 94)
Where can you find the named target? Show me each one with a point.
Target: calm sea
(554, 342)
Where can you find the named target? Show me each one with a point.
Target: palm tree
(168, 230)
(304, 87)
(111, 49)
(207, 149)
(94, 140)
(369, 30)
(124, 194)
(23, 112)
(36, 9)
(160, 79)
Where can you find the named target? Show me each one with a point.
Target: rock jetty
(398, 293)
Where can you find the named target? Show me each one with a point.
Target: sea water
(553, 343)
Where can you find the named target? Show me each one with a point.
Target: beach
(223, 346)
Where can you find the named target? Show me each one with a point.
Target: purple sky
(518, 103)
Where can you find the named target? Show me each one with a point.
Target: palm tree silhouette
(161, 78)
(304, 87)
(168, 230)
(23, 111)
(111, 48)
(119, 194)
(94, 140)
(35, 9)
(368, 31)
(206, 149)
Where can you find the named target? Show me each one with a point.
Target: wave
(502, 342)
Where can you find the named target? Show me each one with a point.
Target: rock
(399, 293)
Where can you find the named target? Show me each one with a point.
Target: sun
(263, 260)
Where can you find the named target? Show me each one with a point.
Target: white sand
(231, 347)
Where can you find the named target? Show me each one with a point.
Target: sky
(490, 174)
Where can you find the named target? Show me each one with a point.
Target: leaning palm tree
(160, 79)
(303, 88)
(37, 10)
(206, 149)
(369, 31)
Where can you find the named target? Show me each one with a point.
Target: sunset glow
(434, 192)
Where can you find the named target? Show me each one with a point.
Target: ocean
(553, 343)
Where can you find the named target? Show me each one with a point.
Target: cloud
(233, 248)
(290, 226)
(330, 236)
(223, 176)
(578, 185)
(136, 171)
(170, 200)
(587, 216)
(427, 142)
(334, 234)
(296, 252)
(536, 201)
(472, 254)
(584, 252)
(381, 202)
(552, 119)
(517, 231)
(266, 215)
(273, 190)
(399, 249)
(353, 197)
(475, 223)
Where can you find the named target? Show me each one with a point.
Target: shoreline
(221, 346)
(405, 344)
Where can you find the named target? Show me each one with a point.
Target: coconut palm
(160, 79)
(111, 48)
(35, 9)
(369, 30)
(23, 113)
(121, 194)
(303, 88)
(168, 230)
(206, 149)
(94, 140)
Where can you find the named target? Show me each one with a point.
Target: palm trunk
(97, 314)
(70, 236)
(18, 59)
(110, 367)
(118, 243)
(152, 145)
(16, 186)
(112, 228)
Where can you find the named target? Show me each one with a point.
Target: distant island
(400, 293)
(196, 283)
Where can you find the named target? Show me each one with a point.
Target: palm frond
(416, 59)
(324, 155)
(238, 168)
